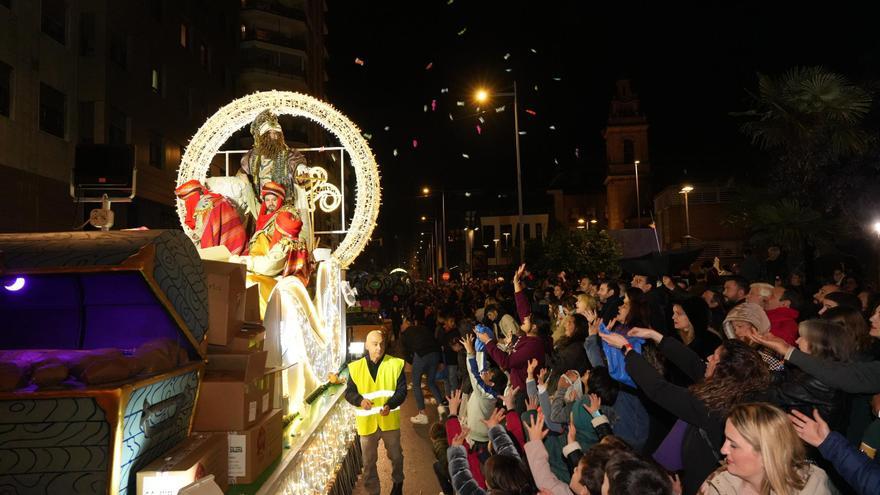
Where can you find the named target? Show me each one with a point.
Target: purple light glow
(16, 285)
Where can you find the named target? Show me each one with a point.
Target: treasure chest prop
(100, 359)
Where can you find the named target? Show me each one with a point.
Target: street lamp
(435, 237)
(638, 196)
(687, 217)
(427, 192)
(481, 96)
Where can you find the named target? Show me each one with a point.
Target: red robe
(222, 223)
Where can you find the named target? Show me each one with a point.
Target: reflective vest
(378, 391)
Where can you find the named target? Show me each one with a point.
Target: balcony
(275, 38)
(274, 7)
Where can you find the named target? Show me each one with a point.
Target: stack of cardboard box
(239, 399)
(238, 392)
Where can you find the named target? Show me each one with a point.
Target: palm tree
(812, 119)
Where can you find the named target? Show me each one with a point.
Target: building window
(117, 128)
(54, 20)
(87, 122)
(184, 35)
(87, 34)
(539, 231)
(157, 150)
(53, 110)
(243, 31)
(5, 89)
(156, 81)
(629, 151)
(527, 231)
(119, 49)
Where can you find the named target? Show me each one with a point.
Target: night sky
(690, 66)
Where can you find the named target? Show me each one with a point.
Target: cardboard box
(196, 457)
(252, 450)
(226, 291)
(235, 392)
(249, 339)
(252, 304)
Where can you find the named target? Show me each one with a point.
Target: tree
(813, 121)
(581, 251)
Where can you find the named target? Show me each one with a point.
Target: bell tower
(626, 151)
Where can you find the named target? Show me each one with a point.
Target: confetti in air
(500, 109)
(433, 105)
(462, 31)
(459, 103)
(506, 56)
(465, 155)
(531, 112)
(552, 127)
(482, 120)
(359, 61)
(415, 143)
(395, 151)
(444, 90)
(479, 130)
(430, 64)
(387, 127)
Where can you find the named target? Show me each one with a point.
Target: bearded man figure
(270, 159)
(212, 218)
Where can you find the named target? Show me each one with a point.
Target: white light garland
(226, 121)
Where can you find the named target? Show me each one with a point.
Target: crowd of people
(715, 383)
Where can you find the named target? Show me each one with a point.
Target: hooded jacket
(783, 323)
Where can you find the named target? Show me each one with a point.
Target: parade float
(304, 319)
(175, 346)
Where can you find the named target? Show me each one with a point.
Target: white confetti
(552, 127)
(482, 120)
(395, 151)
(368, 136)
(536, 87)
(450, 117)
(522, 133)
(387, 127)
(425, 108)
(444, 90)
(557, 78)
(506, 56)
(500, 109)
(508, 70)
(533, 50)
(465, 155)
(556, 161)
(459, 103)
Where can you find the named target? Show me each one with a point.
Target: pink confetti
(415, 143)
(433, 105)
(430, 64)
(577, 153)
(531, 112)
(479, 130)
(359, 61)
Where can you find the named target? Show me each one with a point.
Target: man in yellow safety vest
(377, 388)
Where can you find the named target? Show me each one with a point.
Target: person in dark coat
(569, 352)
(690, 317)
(734, 373)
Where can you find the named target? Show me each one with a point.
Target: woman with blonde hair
(764, 456)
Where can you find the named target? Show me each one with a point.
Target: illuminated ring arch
(232, 117)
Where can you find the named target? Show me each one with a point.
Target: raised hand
(509, 398)
(454, 401)
(535, 427)
(614, 340)
(483, 336)
(645, 333)
(532, 403)
(813, 430)
(494, 419)
(542, 377)
(572, 431)
(771, 342)
(519, 273)
(593, 406)
(468, 343)
(458, 440)
(530, 370)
